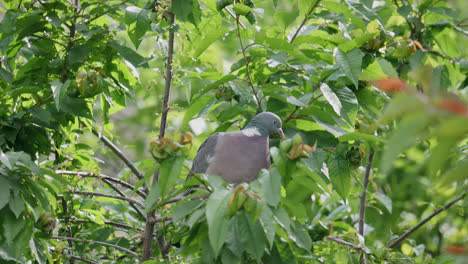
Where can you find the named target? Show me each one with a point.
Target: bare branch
(247, 66)
(82, 259)
(97, 243)
(118, 152)
(425, 220)
(346, 243)
(110, 196)
(305, 20)
(362, 206)
(150, 217)
(116, 224)
(103, 177)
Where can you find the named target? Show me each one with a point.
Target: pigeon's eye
(274, 122)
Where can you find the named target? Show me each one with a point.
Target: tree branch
(362, 206)
(150, 217)
(103, 177)
(118, 152)
(247, 66)
(305, 20)
(81, 259)
(116, 224)
(425, 220)
(97, 243)
(110, 196)
(346, 243)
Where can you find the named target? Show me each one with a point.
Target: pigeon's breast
(239, 158)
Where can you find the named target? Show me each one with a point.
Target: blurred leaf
(185, 209)
(385, 200)
(59, 89)
(129, 55)
(252, 235)
(269, 225)
(456, 173)
(406, 135)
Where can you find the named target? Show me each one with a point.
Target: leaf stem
(425, 220)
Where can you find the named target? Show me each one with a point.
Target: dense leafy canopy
(372, 95)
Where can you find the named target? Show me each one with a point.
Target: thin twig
(139, 212)
(67, 228)
(346, 243)
(425, 220)
(291, 116)
(150, 217)
(103, 177)
(110, 196)
(116, 224)
(247, 66)
(362, 206)
(118, 152)
(305, 20)
(81, 259)
(97, 243)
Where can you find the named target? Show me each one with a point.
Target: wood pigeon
(238, 156)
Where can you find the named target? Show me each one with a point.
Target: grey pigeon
(238, 156)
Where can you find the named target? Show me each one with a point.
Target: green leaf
(252, 235)
(153, 197)
(241, 10)
(196, 108)
(385, 200)
(285, 18)
(185, 209)
(4, 192)
(16, 204)
(456, 173)
(300, 236)
(169, 173)
(360, 136)
(12, 226)
(137, 22)
(269, 225)
(271, 184)
(78, 54)
(340, 175)
(279, 161)
(218, 226)
(350, 63)
(59, 89)
(129, 55)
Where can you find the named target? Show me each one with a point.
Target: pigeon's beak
(280, 132)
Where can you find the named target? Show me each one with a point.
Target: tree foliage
(372, 94)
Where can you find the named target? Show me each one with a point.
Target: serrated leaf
(16, 204)
(4, 192)
(340, 175)
(350, 63)
(129, 55)
(195, 108)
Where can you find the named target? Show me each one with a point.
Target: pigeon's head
(267, 123)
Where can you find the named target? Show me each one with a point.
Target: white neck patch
(250, 132)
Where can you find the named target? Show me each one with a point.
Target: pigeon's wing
(201, 162)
